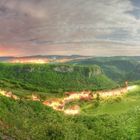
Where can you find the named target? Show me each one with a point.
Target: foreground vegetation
(112, 119)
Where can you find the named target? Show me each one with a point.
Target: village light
(130, 88)
(59, 104)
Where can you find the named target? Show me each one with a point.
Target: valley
(57, 100)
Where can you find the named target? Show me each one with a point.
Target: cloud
(36, 26)
(30, 8)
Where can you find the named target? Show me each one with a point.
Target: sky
(66, 27)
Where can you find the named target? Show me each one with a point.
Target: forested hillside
(55, 78)
(118, 69)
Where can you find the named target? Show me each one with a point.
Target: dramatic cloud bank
(87, 27)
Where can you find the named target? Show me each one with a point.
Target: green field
(115, 118)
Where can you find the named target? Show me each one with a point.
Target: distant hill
(6, 58)
(116, 68)
(56, 78)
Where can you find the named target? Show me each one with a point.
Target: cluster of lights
(36, 61)
(58, 104)
(8, 94)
